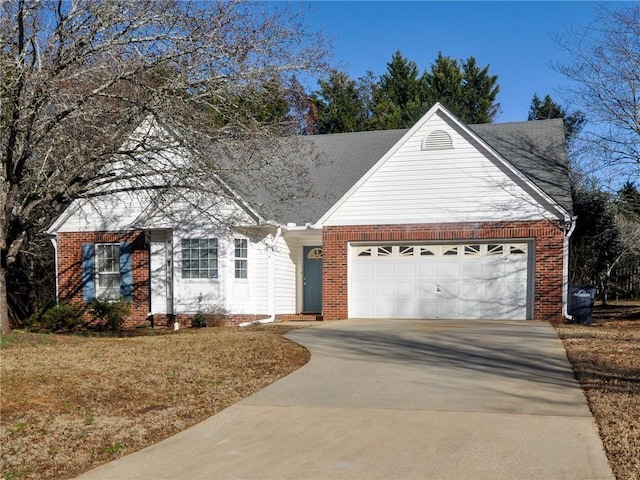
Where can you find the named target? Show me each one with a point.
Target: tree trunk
(5, 326)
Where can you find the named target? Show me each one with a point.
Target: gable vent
(437, 140)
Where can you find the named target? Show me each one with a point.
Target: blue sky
(515, 38)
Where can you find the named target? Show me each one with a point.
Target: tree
(547, 108)
(444, 84)
(302, 109)
(595, 244)
(605, 69)
(340, 107)
(398, 98)
(464, 88)
(77, 77)
(480, 91)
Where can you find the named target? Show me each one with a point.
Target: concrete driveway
(398, 399)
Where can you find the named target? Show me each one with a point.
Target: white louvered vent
(437, 140)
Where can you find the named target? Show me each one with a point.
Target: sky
(516, 39)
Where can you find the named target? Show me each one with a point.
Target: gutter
(565, 267)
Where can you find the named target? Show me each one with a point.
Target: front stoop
(299, 317)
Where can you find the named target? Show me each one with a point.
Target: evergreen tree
(464, 88)
(547, 109)
(444, 84)
(339, 105)
(398, 99)
(479, 93)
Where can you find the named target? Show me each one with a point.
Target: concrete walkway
(398, 399)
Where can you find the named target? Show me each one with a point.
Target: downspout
(565, 268)
(54, 241)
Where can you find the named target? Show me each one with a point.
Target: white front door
(161, 271)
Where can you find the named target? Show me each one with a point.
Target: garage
(448, 281)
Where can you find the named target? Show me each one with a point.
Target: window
(495, 249)
(518, 249)
(385, 251)
(364, 251)
(406, 251)
(241, 257)
(426, 251)
(450, 251)
(473, 250)
(199, 258)
(107, 270)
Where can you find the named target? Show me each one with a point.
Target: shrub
(109, 314)
(199, 320)
(63, 316)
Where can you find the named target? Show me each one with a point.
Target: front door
(312, 281)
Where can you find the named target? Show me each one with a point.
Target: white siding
(191, 295)
(462, 184)
(107, 213)
(284, 278)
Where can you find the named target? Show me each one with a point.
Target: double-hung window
(200, 258)
(241, 255)
(107, 271)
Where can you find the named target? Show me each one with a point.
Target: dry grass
(69, 403)
(606, 360)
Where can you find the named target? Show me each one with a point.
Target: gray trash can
(580, 304)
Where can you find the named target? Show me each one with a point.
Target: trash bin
(580, 305)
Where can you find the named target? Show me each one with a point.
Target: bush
(199, 320)
(63, 316)
(109, 314)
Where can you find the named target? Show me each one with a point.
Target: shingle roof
(535, 148)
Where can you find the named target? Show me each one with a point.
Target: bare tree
(606, 70)
(77, 76)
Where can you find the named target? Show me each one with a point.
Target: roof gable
(458, 178)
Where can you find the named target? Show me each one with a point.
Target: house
(443, 220)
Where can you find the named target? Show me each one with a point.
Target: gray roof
(535, 148)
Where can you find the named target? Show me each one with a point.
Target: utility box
(580, 303)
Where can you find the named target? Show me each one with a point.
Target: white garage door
(440, 281)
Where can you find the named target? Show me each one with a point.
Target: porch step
(298, 317)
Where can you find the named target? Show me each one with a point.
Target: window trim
(212, 272)
(117, 273)
(240, 262)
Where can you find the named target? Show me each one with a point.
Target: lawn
(69, 403)
(606, 361)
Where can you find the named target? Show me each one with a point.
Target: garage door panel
(426, 309)
(384, 270)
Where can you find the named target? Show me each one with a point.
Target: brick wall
(548, 256)
(70, 268)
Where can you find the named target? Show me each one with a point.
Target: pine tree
(398, 99)
(548, 109)
(339, 105)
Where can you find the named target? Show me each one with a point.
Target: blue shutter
(88, 277)
(126, 272)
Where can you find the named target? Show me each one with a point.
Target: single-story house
(441, 221)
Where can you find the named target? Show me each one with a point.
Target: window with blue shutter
(107, 271)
